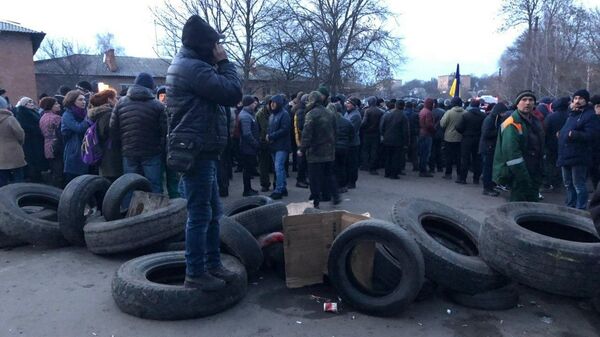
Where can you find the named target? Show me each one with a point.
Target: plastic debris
(330, 307)
(298, 322)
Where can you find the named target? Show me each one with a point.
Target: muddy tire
(263, 219)
(405, 253)
(449, 241)
(22, 226)
(151, 287)
(110, 237)
(547, 247)
(237, 241)
(245, 204)
(127, 183)
(503, 298)
(81, 199)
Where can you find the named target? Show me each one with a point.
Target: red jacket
(426, 122)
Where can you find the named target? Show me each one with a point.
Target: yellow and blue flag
(455, 88)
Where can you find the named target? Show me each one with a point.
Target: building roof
(93, 65)
(13, 27)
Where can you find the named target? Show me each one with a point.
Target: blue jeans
(204, 211)
(424, 152)
(12, 176)
(574, 178)
(149, 167)
(279, 159)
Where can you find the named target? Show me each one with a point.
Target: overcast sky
(436, 34)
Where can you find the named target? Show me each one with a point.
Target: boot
(223, 273)
(204, 282)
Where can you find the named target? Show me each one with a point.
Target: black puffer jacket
(196, 94)
(470, 125)
(395, 129)
(139, 124)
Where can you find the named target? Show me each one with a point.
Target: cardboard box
(308, 238)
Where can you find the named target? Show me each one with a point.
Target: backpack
(91, 150)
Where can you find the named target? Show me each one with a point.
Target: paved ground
(66, 292)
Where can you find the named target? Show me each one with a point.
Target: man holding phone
(200, 82)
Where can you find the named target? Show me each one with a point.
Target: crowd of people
(190, 135)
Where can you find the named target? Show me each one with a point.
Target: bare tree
(520, 12)
(105, 41)
(352, 33)
(68, 65)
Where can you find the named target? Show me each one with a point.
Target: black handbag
(181, 153)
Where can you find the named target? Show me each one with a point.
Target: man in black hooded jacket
(200, 81)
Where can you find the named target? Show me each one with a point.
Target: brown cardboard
(308, 238)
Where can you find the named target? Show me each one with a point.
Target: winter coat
(73, 130)
(196, 94)
(12, 138)
(262, 118)
(300, 112)
(426, 120)
(370, 121)
(319, 134)
(249, 133)
(49, 122)
(577, 138)
(413, 122)
(280, 127)
(354, 117)
(449, 122)
(395, 129)
(138, 124)
(34, 140)
(470, 124)
(438, 113)
(519, 152)
(489, 133)
(112, 160)
(552, 124)
(344, 134)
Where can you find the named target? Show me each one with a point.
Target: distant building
(19, 44)
(445, 82)
(119, 73)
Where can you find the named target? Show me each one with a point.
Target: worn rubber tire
(503, 298)
(129, 182)
(596, 303)
(237, 241)
(400, 245)
(263, 219)
(566, 266)
(19, 225)
(448, 239)
(109, 237)
(275, 258)
(245, 204)
(85, 190)
(136, 295)
(9, 242)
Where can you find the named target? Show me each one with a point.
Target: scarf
(79, 113)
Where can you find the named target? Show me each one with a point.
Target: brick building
(19, 44)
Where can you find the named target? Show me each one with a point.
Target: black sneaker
(301, 184)
(204, 282)
(275, 195)
(491, 193)
(223, 273)
(250, 193)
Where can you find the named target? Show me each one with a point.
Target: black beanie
(355, 101)
(145, 80)
(525, 93)
(583, 93)
(199, 36)
(474, 103)
(456, 101)
(595, 99)
(247, 100)
(84, 85)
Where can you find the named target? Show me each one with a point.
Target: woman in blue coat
(73, 127)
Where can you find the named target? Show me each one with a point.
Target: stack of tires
(151, 286)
